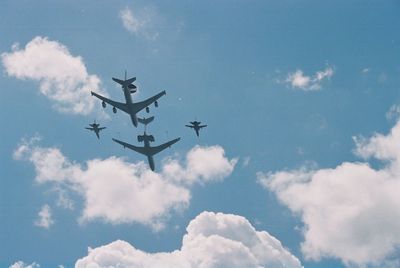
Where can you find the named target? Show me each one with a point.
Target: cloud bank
(212, 240)
(62, 77)
(303, 82)
(116, 191)
(351, 211)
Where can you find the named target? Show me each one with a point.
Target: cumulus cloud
(140, 23)
(351, 211)
(212, 240)
(62, 77)
(45, 219)
(308, 83)
(21, 264)
(117, 191)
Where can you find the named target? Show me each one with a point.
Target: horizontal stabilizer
(126, 82)
(145, 121)
(121, 82)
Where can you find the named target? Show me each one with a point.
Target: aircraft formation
(132, 109)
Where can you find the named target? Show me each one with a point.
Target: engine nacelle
(140, 138)
(156, 103)
(114, 110)
(132, 91)
(132, 86)
(147, 110)
(103, 104)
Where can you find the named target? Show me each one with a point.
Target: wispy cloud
(45, 219)
(140, 23)
(365, 70)
(212, 240)
(393, 113)
(299, 80)
(21, 264)
(62, 77)
(116, 191)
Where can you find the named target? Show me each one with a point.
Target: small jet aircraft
(147, 150)
(196, 126)
(95, 127)
(129, 107)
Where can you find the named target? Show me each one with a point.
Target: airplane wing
(157, 149)
(189, 126)
(101, 128)
(202, 126)
(138, 106)
(89, 128)
(140, 150)
(119, 105)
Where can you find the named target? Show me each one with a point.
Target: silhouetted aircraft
(196, 126)
(147, 150)
(129, 107)
(95, 127)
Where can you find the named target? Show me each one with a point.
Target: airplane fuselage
(128, 100)
(149, 156)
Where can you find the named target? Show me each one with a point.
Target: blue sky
(282, 85)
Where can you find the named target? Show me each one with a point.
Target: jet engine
(103, 104)
(114, 110)
(147, 110)
(156, 103)
(140, 138)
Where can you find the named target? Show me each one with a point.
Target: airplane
(129, 107)
(147, 150)
(95, 127)
(196, 126)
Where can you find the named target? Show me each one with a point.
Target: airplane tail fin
(145, 121)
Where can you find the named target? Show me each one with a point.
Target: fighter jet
(196, 126)
(147, 150)
(95, 127)
(129, 107)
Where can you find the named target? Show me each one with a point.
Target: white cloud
(62, 77)
(309, 83)
(140, 23)
(116, 191)
(212, 240)
(45, 219)
(351, 211)
(21, 264)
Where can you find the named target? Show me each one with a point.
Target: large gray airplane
(196, 126)
(95, 127)
(147, 150)
(129, 107)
